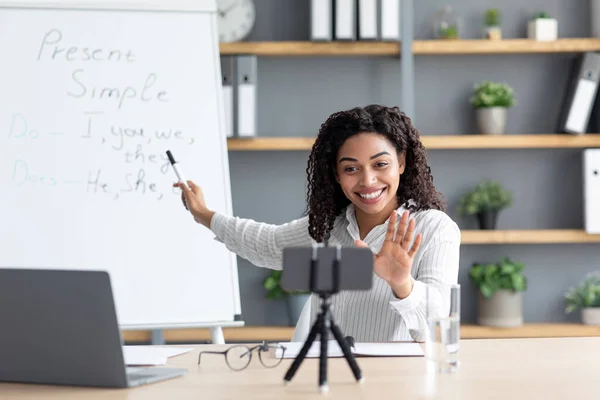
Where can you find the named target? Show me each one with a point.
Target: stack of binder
(239, 84)
(580, 115)
(355, 20)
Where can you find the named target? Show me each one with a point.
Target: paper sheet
(293, 348)
(382, 349)
(396, 349)
(151, 355)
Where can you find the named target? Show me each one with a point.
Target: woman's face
(368, 170)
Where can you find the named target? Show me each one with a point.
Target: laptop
(60, 327)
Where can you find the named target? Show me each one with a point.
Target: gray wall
(297, 94)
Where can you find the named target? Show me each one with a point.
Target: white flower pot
(542, 29)
(491, 120)
(503, 310)
(493, 33)
(590, 315)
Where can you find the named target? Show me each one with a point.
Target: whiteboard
(90, 101)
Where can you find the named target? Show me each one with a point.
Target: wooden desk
(543, 368)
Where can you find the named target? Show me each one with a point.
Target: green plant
(273, 285)
(449, 31)
(505, 274)
(492, 94)
(542, 14)
(492, 17)
(486, 196)
(586, 294)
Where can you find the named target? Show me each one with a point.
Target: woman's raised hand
(193, 200)
(394, 261)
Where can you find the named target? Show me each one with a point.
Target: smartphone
(355, 269)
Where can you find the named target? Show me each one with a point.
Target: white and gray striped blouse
(368, 316)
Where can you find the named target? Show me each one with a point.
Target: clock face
(235, 19)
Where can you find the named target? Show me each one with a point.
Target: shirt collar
(353, 230)
(352, 227)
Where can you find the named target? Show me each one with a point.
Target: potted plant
(294, 300)
(446, 25)
(500, 292)
(586, 296)
(492, 24)
(485, 201)
(542, 27)
(491, 100)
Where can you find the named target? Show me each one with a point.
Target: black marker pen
(176, 168)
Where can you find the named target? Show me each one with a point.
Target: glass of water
(442, 339)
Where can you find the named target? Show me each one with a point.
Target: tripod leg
(347, 353)
(323, 386)
(300, 357)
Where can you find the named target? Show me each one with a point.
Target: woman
(369, 185)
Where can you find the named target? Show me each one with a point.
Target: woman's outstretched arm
(260, 243)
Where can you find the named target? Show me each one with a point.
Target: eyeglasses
(238, 357)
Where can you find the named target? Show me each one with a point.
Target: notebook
(380, 349)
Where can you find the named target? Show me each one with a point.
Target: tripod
(322, 325)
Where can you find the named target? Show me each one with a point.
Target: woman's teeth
(371, 195)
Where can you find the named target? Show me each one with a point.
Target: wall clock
(235, 19)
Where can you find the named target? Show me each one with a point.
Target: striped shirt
(369, 316)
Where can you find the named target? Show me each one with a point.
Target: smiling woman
(367, 167)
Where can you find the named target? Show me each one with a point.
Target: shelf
(270, 143)
(284, 333)
(433, 142)
(527, 236)
(506, 46)
(536, 141)
(247, 333)
(539, 330)
(420, 47)
(311, 48)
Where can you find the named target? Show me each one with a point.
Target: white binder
(581, 94)
(345, 20)
(321, 20)
(591, 190)
(367, 20)
(246, 95)
(390, 20)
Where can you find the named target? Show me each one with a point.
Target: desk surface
(547, 368)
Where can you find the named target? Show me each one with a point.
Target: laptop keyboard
(139, 373)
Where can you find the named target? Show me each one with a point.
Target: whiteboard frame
(200, 6)
(126, 5)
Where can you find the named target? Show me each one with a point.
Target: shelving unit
(405, 52)
(537, 141)
(419, 47)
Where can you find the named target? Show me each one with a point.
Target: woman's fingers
(183, 201)
(409, 234)
(389, 236)
(401, 228)
(405, 233)
(192, 186)
(185, 192)
(191, 197)
(360, 243)
(415, 246)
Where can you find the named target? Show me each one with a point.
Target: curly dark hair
(325, 198)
